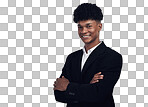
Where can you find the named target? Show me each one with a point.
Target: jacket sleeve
(61, 96)
(96, 92)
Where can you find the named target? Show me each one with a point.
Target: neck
(89, 46)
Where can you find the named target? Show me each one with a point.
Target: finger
(58, 79)
(63, 77)
(96, 78)
(54, 85)
(99, 73)
(95, 81)
(54, 88)
(96, 74)
(91, 82)
(101, 76)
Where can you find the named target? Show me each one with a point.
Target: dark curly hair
(87, 11)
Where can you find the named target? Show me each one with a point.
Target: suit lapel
(77, 66)
(80, 60)
(94, 55)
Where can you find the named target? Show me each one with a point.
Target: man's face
(88, 31)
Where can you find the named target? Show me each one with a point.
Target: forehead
(86, 22)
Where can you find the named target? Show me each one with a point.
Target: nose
(84, 30)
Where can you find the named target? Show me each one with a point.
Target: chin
(87, 42)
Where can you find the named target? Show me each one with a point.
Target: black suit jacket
(80, 93)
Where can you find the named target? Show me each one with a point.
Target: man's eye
(79, 27)
(89, 26)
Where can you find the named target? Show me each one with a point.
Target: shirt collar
(91, 49)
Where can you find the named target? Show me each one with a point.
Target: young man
(90, 74)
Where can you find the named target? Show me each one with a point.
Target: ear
(99, 26)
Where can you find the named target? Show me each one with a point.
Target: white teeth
(85, 36)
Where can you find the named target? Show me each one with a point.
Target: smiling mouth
(85, 36)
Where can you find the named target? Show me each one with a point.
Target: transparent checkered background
(37, 35)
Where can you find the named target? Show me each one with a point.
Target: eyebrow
(86, 24)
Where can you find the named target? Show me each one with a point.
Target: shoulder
(112, 59)
(112, 54)
(74, 54)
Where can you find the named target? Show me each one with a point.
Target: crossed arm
(62, 83)
(93, 92)
(96, 91)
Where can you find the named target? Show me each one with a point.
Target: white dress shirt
(86, 55)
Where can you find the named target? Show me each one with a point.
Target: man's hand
(61, 84)
(96, 77)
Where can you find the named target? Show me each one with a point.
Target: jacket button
(71, 93)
